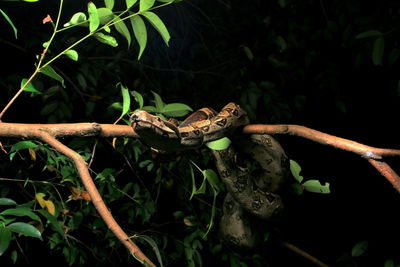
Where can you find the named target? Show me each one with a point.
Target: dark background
(322, 77)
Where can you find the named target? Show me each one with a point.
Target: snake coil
(251, 194)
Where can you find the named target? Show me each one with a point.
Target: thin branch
(303, 254)
(372, 154)
(95, 196)
(387, 172)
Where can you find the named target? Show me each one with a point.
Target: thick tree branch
(372, 154)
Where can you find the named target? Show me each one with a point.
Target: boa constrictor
(250, 193)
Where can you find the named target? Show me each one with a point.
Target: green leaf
(138, 98)
(9, 22)
(359, 248)
(7, 201)
(145, 4)
(126, 100)
(77, 18)
(106, 39)
(377, 51)
(123, 30)
(53, 221)
(25, 229)
(21, 211)
(109, 4)
(296, 169)
(316, 187)
(150, 109)
(158, 25)
(370, 33)
(116, 105)
(212, 178)
(5, 238)
(49, 71)
(219, 144)
(389, 263)
(158, 102)
(94, 20)
(202, 188)
(29, 87)
(153, 245)
(105, 15)
(130, 3)
(22, 145)
(72, 54)
(139, 29)
(176, 110)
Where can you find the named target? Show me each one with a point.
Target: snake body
(250, 193)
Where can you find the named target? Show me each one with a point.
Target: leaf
(21, 211)
(48, 204)
(140, 32)
(106, 39)
(370, 33)
(316, 187)
(25, 229)
(145, 4)
(212, 178)
(19, 146)
(10, 22)
(150, 109)
(5, 238)
(248, 52)
(77, 18)
(105, 15)
(72, 54)
(109, 4)
(123, 30)
(175, 109)
(359, 248)
(130, 3)
(138, 98)
(202, 188)
(94, 20)
(158, 102)
(296, 169)
(153, 245)
(40, 199)
(126, 100)
(53, 221)
(7, 201)
(377, 51)
(49, 71)
(158, 25)
(29, 87)
(388, 263)
(219, 144)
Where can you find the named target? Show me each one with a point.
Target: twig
(372, 154)
(303, 254)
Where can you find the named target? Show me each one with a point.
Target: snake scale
(250, 193)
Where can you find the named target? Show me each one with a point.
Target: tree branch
(49, 132)
(95, 196)
(372, 154)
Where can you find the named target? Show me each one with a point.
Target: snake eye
(133, 117)
(158, 119)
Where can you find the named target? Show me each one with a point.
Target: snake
(252, 194)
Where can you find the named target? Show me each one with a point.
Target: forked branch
(372, 154)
